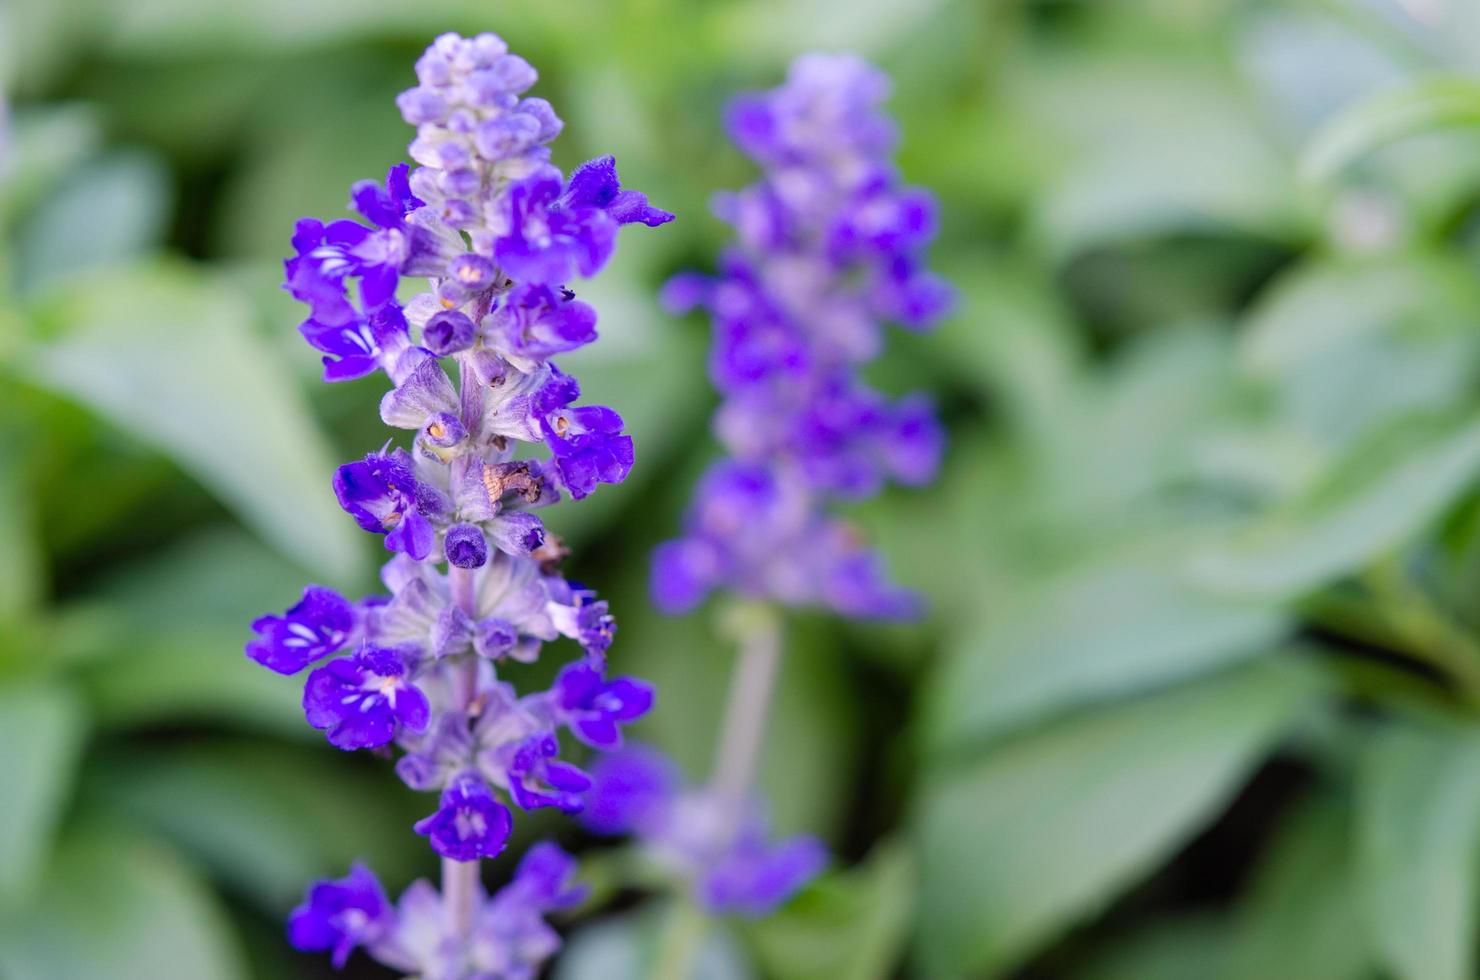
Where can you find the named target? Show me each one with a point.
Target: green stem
(757, 630)
(678, 947)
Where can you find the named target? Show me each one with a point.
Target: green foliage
(1044, 829)
(1419, 824)
(40, 738)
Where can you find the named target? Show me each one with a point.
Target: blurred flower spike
(828, 249)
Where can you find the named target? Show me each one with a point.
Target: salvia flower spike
(829, 248)
(500, 239)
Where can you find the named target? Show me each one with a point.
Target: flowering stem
(460, 878)
(737, 756)
(683, 931)
(757, 629)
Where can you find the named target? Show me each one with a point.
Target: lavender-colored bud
(493, 638)
(506, 136)
(513, 73)
(421, 105)
(485, 49)
(544, 114)
(443, 430)
(448, 332)
(465, 546)
(472, 272)
(517, 532)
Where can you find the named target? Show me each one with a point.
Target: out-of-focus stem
(737, 756)
(678, 947)
(752, 682)
(460, 878)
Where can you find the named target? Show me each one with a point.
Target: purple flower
(317, 625)
(384, 497)
(630, 789)
(448, 332)
(360, 345)
(594, 184)
(465, 546)
(576, 612)
(540, 242)
(386, 206)
(535, 321)
(364, 700)
(517, 532)
(756, 877)
(511, 938)
(595, 708)
(538, 779)
(589, 445)
(543, 883)
(727, 857)
(470, 824)
(340, 915)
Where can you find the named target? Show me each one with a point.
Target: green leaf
(45, 145)
(41, 736)
(1174, 948)
(1388, 489)
(123, 909)
(1125, 623)
(1155, 145)
(1430, 103)
(1397, 329)
(170, 356)
(23, 573)
(1300, 917)
(1418, 830)
(108, 211)
(1045, 830)
(160, 640)
(845, 926)
(265, 819)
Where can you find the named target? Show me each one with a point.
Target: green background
(1198, 693)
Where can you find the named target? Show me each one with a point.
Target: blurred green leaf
(1399, 330)
(265, 822)
(1047, 829)
(45, 145)
(1301, 916)
(1156, 144)
(1419, 832)
(1172, 948)
(846, 925)
(1388, 488)
(161, 639)
(41, 736)
(168, 355)
(109, 211)
(119, 908)
(1124, 623)
(1428, 103)
(22, 562)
